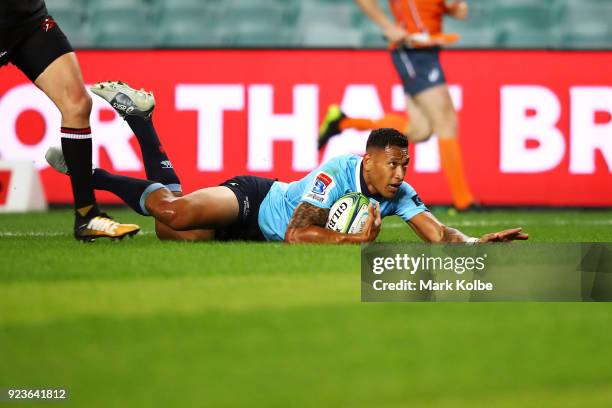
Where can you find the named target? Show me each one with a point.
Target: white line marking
(45, 234)
(458, 223)
(519, 222)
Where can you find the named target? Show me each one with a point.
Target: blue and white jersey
(323, 187)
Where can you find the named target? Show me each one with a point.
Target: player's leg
(419, 126)
(158, 167)
(336, 122)
(136, 107)
(389, 120)
(231, 209)
(63, 84)
(437, 105)
(209, 208)
(133, 192)
(47, 59)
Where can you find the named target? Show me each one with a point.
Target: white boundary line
(520, 223)
(46, 234)
(452, 223)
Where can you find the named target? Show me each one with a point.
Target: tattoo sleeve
(307, 214)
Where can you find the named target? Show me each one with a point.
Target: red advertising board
(5, 179)
(535, 126)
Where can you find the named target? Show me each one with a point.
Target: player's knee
(420, 132)
(77, 104)
(175, 215)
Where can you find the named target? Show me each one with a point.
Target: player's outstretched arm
(430, 229)
(307, 225)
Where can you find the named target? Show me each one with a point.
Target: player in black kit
(32, 41)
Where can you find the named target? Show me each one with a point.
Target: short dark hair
(381, 138)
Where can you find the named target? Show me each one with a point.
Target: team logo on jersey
(321, 183)
(48, 23)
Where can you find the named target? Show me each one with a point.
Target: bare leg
(208, 208)
(437, 105)
(62, 82)
(419, 126)
(166, 233)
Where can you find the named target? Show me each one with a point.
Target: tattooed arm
(427, 226)
(308, 225)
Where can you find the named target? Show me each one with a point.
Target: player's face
(385, 169)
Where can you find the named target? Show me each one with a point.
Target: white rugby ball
(349, 214)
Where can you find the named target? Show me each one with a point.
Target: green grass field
(148, 323)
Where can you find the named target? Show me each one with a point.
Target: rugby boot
(90, 228)
(97, 225)
(331, 125)
(126, 100)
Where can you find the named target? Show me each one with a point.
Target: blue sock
(157, 165)
(132, 191)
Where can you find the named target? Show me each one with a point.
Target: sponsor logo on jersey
(315, 197)
(3, 53)
(166, 164)
(48, 23)
(321, 183)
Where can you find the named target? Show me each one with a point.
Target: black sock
(132, 191)
(76, 146)
(157, 165)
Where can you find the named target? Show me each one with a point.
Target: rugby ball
(349, 214)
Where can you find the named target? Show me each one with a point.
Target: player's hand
(395, 34)
(458, 10)
(372, 225)
(508, 235)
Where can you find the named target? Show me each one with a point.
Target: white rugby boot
(55, 158)
(125, 99)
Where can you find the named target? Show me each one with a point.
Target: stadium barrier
(535, 126)
(20, 188)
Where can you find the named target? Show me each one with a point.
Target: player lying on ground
(255, 208)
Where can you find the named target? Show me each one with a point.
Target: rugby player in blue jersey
(260, 209)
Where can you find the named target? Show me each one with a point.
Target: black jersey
(17, 12)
